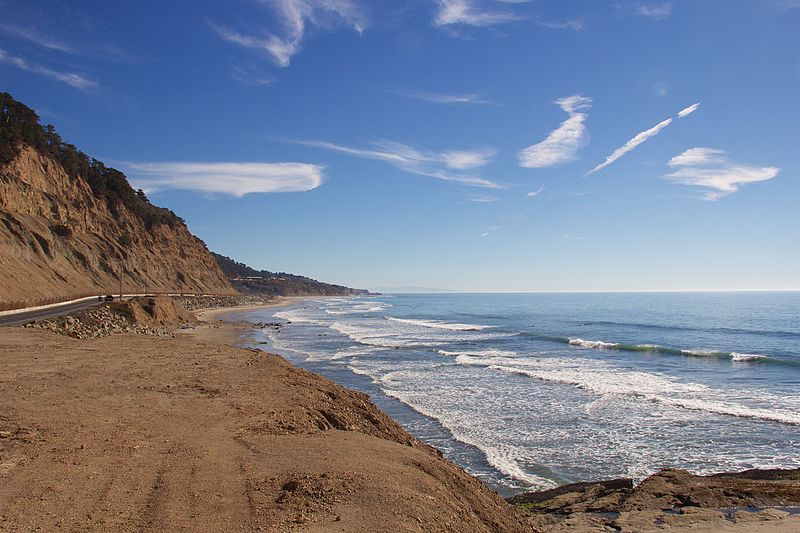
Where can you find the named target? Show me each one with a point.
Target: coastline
(710, 516)
(139, 432)
(222, 324)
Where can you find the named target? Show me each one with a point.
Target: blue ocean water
(529, 391)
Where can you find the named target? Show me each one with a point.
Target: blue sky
(487, 145)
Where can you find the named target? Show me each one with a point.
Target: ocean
(529, 391)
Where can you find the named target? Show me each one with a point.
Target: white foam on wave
(478, 353)
(605, 380)
(354, 351)
(592, 344)
(746, 357)
(700, 353)
(392, 334)
(354, 307)
(503, 457)
(382, 338)
(296, 315)
(731, 409)
(439, 324)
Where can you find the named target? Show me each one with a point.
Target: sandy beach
(224, 324)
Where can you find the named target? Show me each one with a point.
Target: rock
(670, 498)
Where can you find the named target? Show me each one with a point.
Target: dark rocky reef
(670, 498)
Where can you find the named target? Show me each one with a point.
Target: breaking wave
(605, 380)
(438, 324)
(655, 348)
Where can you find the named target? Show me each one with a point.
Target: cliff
(70, 226)
(248, 280)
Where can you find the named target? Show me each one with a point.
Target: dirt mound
(140, 433)
(156, 311)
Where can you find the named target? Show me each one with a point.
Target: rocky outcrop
(57, 238)
(670, 498)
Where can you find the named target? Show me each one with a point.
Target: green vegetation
(19, 126)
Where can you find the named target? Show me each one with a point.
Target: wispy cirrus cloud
(236, 179)
(251, 76)
(482, 199)
(641, 137)
(443, 165)
(574, 24)
(562, 144)
(78, 81)
(655, 11)
(468, 13)
(441, 98)
(32, 35)
(535, 193)
(294, 17)
(711, 169)
(44, 39)
(464, 159)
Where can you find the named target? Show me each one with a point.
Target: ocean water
(528, 391)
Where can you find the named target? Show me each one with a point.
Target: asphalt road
(24, 318)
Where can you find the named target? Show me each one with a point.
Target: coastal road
(18, 319)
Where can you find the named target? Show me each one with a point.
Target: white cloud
(575, 25)
(249, 76)
(689, 110)
(463, 159)
(33, 36)
(711, 169)
(654, 11)
(536, 192)
(562, 145)
(424, 163)
(641, 137)
(698, 157)
(236, 179)
(438, 98)
(482, 199)
(294, 16)
(467, 13)
(638, 139)
(70, 78)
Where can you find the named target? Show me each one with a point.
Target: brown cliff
(59, 237)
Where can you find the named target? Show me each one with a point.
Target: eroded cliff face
(58, 239)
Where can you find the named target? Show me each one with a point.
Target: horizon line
(634, 291)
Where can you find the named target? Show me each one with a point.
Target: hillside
(69, 225)
(248, 280)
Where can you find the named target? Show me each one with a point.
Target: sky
(471, 145)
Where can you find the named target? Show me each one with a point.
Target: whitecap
(592, 344)
(439, 324)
